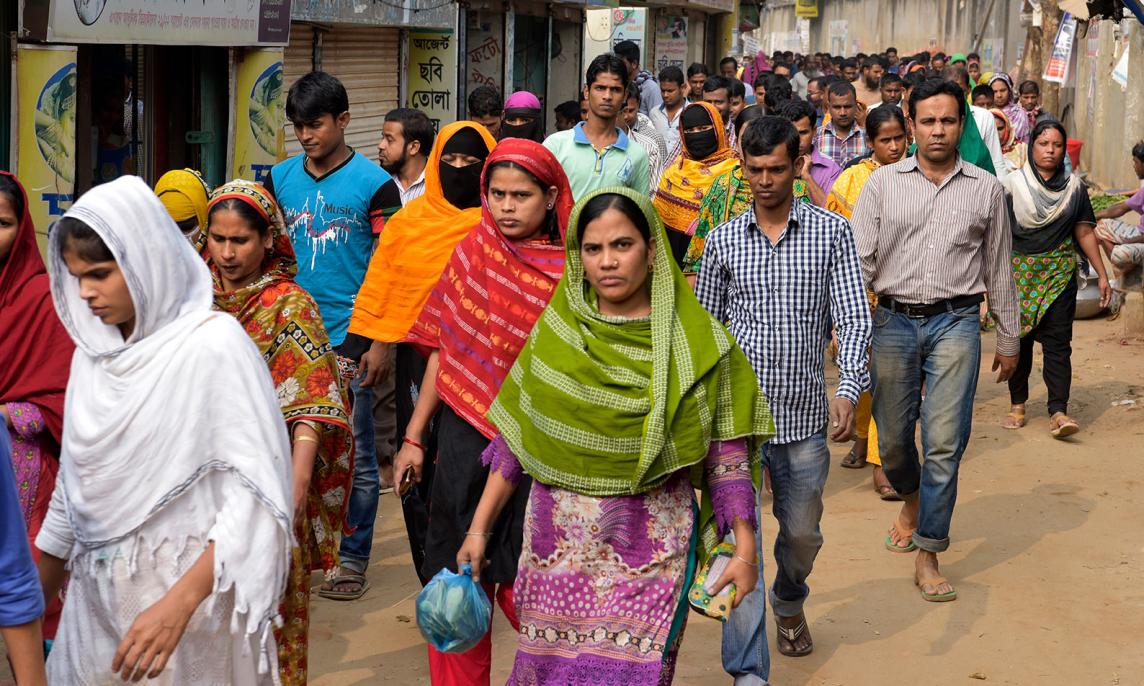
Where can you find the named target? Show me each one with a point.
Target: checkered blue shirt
(779, 301)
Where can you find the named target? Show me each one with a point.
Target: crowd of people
(580, 360)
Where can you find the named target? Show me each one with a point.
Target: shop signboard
(670, 41)
(165, 22)
(259, 110)
(432, 75)
(46, 134)
(806, 8)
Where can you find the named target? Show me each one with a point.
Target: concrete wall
(1108, 118)
(909, 25)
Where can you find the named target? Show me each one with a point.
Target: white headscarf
(186, 395)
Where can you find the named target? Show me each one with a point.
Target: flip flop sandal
(852, 461)
(907, 534)
(1018, 418)
(792, 635)
(935, 597)
(331, 594)
(887, 493)
(1065, 427)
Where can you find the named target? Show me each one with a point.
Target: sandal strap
(791, 635)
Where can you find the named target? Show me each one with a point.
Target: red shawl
(492, 291)
(35, 348)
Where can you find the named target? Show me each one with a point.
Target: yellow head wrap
(184, 193)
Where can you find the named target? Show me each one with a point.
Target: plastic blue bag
(453, 611)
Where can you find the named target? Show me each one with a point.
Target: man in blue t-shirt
(335, 202)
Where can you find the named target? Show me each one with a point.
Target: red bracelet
(415, 444)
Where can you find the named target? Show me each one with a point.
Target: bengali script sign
(432, 74)
(169, 22)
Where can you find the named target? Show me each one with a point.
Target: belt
(930, 309)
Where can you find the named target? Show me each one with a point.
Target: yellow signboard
(806, 8)
(46, 133)
(259, 113)
(432, 75)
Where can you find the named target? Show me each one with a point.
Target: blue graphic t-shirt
(332, 221)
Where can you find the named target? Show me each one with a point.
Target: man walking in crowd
(892, 59)
(697, 75)
(816, 94)
(932, 260)
(891, 90)
(640, 129)
(406, 139)
(671, 87)
(868, 89)
(596, 153)
(567, 115)
(779, 275)
(486, 108)
(850, 69)
(842, 138)
(729, 68)
(650, 97)
(717, 91)
(334, 204)
(817, 171)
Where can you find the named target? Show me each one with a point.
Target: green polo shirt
(619, 164)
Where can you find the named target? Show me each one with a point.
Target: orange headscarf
(412, 252)
(686, 180)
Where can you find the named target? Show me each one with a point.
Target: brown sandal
(933, 583)
(1017, 418)
(1062, 426)
(853, 460)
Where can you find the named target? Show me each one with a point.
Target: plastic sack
(453, 611)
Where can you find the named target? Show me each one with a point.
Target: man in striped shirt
(778, 275)
(933, 237)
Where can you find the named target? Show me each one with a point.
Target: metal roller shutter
(296, 63)
(365, 59)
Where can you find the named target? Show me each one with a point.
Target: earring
(551, 206)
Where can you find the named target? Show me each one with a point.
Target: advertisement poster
(670, 42)
(432, 75)
(46, 132)
(169, 22)
(259, 114)
(806, 8)
(1057, 66)
(629, 24)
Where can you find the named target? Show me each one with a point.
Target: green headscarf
(971, 146)
(606, 406)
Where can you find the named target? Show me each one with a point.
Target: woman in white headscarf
(172, 508)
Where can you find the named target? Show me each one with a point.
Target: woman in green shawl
(627, 397)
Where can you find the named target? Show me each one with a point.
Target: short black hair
(972, 56)
(914, 79)
(765, 134)
(628, 51)
(880, 116)
(779, 90)
(1028, 87)
(608, 63)
(890, 77)
(891, 49)
(696, 69)
(74, 235)
(874, 60)
(569, 109)
(736, 88)
(841, 88)
(746, 116)
(956, 73)
(939, 56)
(714, 83)
(793, 110)
(314, 95)
(1138, 151)
(932, 88)
(633, 93)
(485, 101)
(672, 74)
(980, 91)
(729, 60)
(824, 81)
(415, 126)
(761, 79)
(849, 63)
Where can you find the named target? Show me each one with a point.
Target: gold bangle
(745, 561)
(486, 534)
(307, 439)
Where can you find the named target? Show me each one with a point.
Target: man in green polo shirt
(596, 153)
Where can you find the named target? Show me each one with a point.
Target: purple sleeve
(728, 471)
(498, 457)
(1136, 202)
(26, 419)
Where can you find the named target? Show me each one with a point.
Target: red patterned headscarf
(491, 293)
(35, 348)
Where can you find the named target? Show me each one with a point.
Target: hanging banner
(432, 75)
(259, 112)
(806, 8)
(670, 42)
(1057, 66)
(1120, 72)
(46, 132)
(166, 22)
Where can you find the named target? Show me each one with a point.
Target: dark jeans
(1054, 333)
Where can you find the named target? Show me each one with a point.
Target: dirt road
(1047, 555)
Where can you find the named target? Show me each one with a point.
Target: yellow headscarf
(686, 180)
(185, 194)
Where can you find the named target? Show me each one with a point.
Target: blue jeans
(941, 353)
(356, 547)
(798, 477)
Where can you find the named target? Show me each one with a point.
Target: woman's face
(9, 226)
(1048, 150)
(1000, 93)
(617, 263)
(519, 206)
(236, 248)
(104, 288)
(890, 143)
